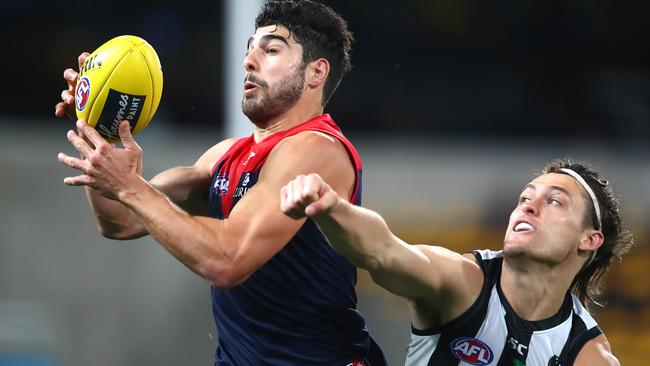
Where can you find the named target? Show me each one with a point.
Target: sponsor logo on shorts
(83, 93)
(472, 351)
(119, 107)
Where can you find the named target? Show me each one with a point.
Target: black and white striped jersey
(491, 333)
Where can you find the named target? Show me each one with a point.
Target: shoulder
(310, 151)
(596, 352)
(213, 154)
(455, 275)
(310, 141)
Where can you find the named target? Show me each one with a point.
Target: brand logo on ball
(83, 93)
(119, 107)
(472, 351)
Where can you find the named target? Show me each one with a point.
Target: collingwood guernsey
(491, 333)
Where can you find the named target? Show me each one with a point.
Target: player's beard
(270, 103)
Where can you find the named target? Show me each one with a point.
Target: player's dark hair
(588, 282)
(321, 32)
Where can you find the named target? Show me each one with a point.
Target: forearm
(359, 234)
(114, 220)
(186, 237)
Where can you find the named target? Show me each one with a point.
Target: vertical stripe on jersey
(421, 348)
(548, 342)
(493, 332)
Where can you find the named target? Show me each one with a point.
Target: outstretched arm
(186, 186)
(444, 280)
(228, 251)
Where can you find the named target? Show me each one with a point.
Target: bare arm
(186, 186)
(596, 352)
(444, 280)
(228, 251)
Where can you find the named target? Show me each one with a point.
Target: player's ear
(592, 240)
(317, 72)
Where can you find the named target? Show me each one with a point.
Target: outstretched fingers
(79, 143)
(82, 58)
(60, 109)
(91, 134)
(78, 164)
(74, 163)
(79, 180)
(126, 136)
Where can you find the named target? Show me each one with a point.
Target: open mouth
(523, 226)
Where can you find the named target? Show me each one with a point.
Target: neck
(535, 290)
(270, 129)
(291, 118)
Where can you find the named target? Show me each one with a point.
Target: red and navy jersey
(299, 308)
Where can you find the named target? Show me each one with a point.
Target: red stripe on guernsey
(358, 362)
(248, 156)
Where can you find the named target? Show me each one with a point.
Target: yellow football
(121, 80)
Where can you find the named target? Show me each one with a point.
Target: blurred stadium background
(453, 104)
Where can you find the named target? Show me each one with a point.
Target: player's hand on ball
(307, 196)
(66, 106)
(104, 166)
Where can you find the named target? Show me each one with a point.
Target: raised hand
(66, 106)
(104, 166)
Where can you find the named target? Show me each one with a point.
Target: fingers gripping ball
(121, 80)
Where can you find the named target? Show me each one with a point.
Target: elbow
(224, 276)
(115, 232)
(110, 233)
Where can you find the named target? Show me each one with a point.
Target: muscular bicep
(262, 228)
(442, 279)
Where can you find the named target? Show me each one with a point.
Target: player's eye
(554, 202)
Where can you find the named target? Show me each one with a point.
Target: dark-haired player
(281, 295)
(524, 305)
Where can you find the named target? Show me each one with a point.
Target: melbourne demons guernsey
(299, 308)
(491, 333)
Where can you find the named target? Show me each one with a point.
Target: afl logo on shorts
(83, 93)
(472, 351)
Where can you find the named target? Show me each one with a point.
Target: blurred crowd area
(445, 67)
(454, 104)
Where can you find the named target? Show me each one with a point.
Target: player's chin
(515, 247)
